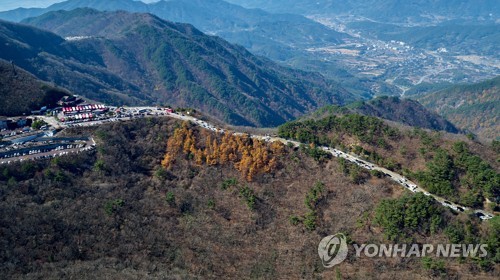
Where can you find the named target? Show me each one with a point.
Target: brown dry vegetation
(467, 169)
(118, 214)
(249, 156)
(472, 107)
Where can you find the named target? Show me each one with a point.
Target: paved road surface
(411, 186)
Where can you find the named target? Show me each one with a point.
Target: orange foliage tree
(249, 156)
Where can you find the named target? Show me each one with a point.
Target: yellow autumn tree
(249, 156)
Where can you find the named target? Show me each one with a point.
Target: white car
(448, 204)
(483, 216)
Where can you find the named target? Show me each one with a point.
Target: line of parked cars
(404, 182)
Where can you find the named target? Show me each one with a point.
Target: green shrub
(402, 217)
(311, 200)
(310, 220)
(38, 124)
(99, 165)
(170, 198)
(313, 195)
(112, 206)
(376, 173)
(436, 266)
(211, 204)
(294, 220)
(229, 183)
(249, 197)
(161, 173)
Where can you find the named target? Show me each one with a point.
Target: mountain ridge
(399, 110)
(117, 212)
(389, 11)
(284, 38)
(236, 24)
(405, 111)
(475, 108)
(21, 92)
(159, 61)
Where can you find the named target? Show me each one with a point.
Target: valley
(403, 64)
(363, 53)
(140, 59)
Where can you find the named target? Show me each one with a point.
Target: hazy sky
(6, 5)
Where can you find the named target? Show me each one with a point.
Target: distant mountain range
(475, 108)
(14, 4)
(285, 38)
(278, 36)
(397, 11)
(141, 59)
(358, 55)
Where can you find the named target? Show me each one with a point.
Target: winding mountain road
(355, 159)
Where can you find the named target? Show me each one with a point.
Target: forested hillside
(392, 108)
(283, 37)
(120, 212)
(461, 171)
(404, 111)
(278, 36)
(475, 108)
(21, 92)
(141, 59)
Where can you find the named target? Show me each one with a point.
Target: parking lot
(45, 149)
